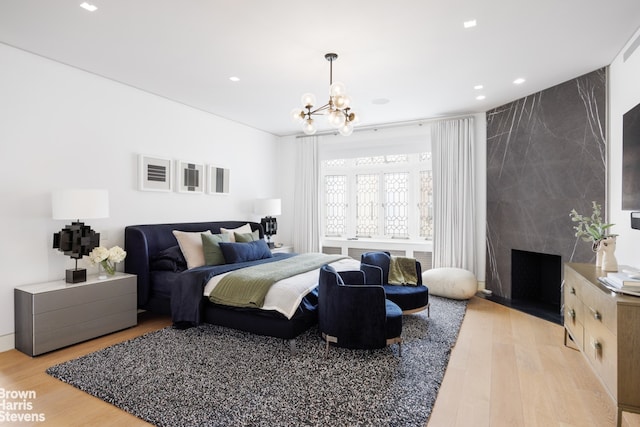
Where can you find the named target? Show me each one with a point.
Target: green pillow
(247, 237)
(212, 252)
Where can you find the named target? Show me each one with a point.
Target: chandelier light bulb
(346, 129)
(336, 118)
(340, 102)
(337, 88)
(297, 115)
(308, 128)
(308, 100)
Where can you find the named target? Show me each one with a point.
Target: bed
(166, 285)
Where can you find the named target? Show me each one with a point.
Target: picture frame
(155, 173)
(218, 180)
(190, 177)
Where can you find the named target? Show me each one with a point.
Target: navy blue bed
(167, 287)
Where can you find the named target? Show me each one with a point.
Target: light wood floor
(507, 369)
(511, 369)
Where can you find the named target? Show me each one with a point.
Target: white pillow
(191, 246)
(245, 229)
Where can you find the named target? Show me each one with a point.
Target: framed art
(190, 177)
(155, 173)
(218, 180)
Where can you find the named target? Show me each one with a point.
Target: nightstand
(282, 249)
(52, 315)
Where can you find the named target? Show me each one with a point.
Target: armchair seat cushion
(394, 320)
(408, 297)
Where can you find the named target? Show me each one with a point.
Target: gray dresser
(52, 315)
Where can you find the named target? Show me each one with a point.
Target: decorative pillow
(212, 252)
(240, 230)
(170, 259)
(247, 237)
(241, 252)
(191, 247)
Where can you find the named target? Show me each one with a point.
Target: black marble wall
(546, 154)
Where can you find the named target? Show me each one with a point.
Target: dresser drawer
(600, 307)
(601, 349)
(576, 330)
(572, 284)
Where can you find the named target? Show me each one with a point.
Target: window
(378, 197)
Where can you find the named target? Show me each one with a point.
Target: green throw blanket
(249, 286)
(402, 271)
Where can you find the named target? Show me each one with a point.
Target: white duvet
(285, 295)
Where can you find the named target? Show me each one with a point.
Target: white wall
(65, 128)
(624, 94)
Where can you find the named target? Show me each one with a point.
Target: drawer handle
(572, 314)
(597, 315)
(572, 291)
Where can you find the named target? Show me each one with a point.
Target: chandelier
(337, 110)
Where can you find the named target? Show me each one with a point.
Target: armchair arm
(354, 277)
(419, 272)
(372, 274)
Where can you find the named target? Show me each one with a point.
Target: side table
(52, 315)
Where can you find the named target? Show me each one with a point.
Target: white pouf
(449, 282)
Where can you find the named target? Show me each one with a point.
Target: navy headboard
(144, 241)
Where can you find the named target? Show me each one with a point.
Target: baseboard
(7, 342)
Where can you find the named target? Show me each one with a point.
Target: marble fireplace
(546, 154)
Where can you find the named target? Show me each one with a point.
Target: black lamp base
(76, 275)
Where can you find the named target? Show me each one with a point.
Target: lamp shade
(267, 207)
(80, 204)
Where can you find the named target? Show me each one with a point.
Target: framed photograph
(190, 177)
(218, 180)
(155, 173)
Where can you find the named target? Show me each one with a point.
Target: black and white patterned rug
(214, 376)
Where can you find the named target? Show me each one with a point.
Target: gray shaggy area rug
(215, 376)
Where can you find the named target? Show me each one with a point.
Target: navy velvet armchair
(409, 298)
(356, 315)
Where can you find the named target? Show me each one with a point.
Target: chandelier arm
(317, 110)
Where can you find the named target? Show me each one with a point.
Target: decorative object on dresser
(106, 259)
(605, 327)
(77, 240)
(52, 315)
(269, 208)
(593, 229)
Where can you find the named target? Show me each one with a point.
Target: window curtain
(454, 194)
(306, 235)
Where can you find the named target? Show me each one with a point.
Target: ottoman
(450, 282)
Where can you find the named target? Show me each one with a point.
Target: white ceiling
(414, 53)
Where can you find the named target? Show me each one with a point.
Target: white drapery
(454, 194)
(306, 220)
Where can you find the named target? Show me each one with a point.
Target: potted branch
(593, 229)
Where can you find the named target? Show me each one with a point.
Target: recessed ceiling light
(478, 87)
(234, 79)
(519, 81)
(470, 24)
(89, 7)
(480, 97)
(380, 101)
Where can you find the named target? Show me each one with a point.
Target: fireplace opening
(536, 280)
